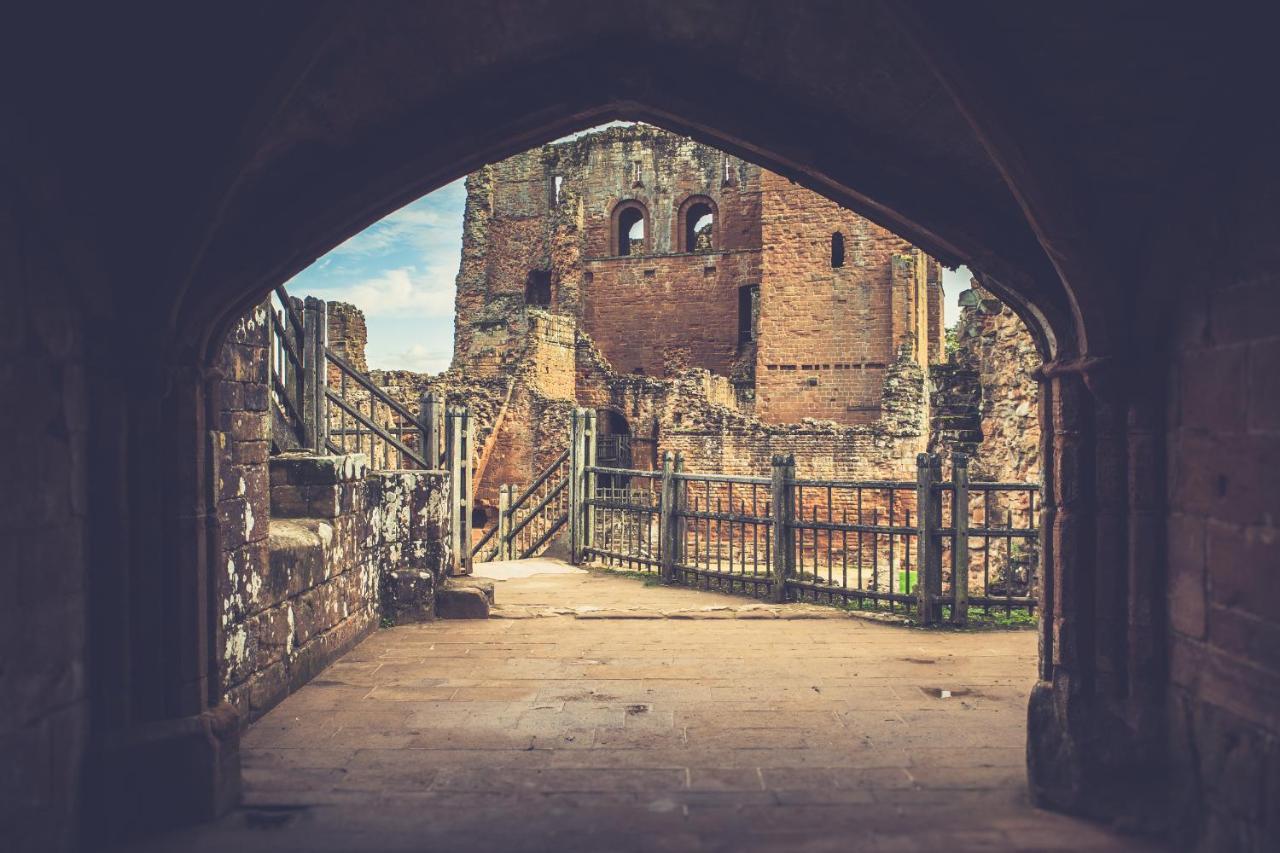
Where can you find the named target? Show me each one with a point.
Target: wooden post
(459, 450)
(431, 420)
(577, 427)
(314, 408)
(298, 373)
(781, 502)
(666, 517)
(468, 485)
(504, 522)
(928, 541)
(589, 481)
(680, 525)
(960, 550)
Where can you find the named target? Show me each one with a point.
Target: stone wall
(827, 334)
(1221, 292)
(313, 550)
(347, 334)
(344, 546)
(44, 539)
(985, 400)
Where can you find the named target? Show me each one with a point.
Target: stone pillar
(162, 752)
(1090, 733)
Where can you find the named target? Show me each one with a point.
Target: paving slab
(667, 719)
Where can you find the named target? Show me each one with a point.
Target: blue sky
(400, 271)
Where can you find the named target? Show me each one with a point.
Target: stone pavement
(682, 729)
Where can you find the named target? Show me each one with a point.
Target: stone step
(464, 598)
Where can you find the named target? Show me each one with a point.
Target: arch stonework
(680, 230)
(621, 209)
(301, 150)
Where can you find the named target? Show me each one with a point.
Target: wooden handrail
(539, 480)
(294, 319)
(366, 383)
(375, 429)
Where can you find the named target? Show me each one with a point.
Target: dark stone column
(162, 753)
(1095, 719)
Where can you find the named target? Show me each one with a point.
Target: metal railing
(928, 546)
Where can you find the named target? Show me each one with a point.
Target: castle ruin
(702, 305)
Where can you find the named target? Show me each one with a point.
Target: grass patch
(996, 619)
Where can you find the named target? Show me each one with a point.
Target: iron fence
(927, 546)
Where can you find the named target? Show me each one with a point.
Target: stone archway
(1066, 707)
(329, 120)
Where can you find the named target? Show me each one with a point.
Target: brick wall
(644, 311)
(827, 334)
(306, 542)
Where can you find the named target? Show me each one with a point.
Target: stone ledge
(306, 469)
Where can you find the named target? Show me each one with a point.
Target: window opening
(837, 250)
(748, 312)
(537, 289)
(631, 231)
(699, 227)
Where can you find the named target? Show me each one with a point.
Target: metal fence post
(666, 517)
(504, 522)
(780, 488)
(468, 485)
(928, 541)
(680, 527)
(960, 549)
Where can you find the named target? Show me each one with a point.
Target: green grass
(979, 620)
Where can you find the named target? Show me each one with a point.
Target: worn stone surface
(345, 547)
(984, 398)
(630, 734)
(461, 602)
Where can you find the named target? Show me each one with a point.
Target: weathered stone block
(461, 603)
(408, 596)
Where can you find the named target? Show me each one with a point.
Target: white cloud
(431, 223)
(402, 292)
(417, 357)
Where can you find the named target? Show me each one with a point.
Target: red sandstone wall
(642, 311)
(1223, 531)
(826, 335)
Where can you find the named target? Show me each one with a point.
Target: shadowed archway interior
(232, 150)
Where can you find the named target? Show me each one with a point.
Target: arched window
(697, 222)
(837, 250)
(630, 228)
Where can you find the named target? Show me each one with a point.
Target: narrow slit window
(748, 310)
(837, 250)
